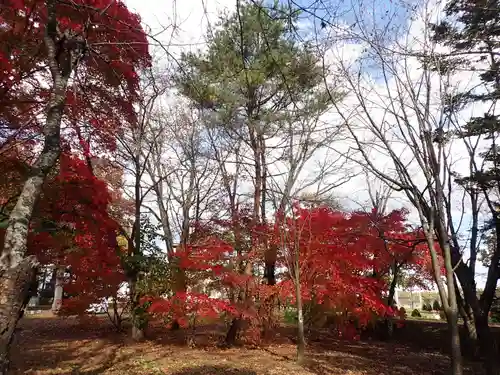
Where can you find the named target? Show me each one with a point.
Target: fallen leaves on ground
(69, 346)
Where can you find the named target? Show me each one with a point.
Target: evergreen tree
(471, 31)
(254, 77)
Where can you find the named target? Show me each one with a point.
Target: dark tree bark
(467, 315)
(232, 333)
(480, 307)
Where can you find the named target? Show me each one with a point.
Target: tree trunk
(488, 346)
(472, 344)
(232, 333)
(470, 329)
(137, 332)
(139, 318)
(117, 317)
(451, 311)
(480, 308)
(456, 354)
(452, 317)
(179, 285)
(301, 341)
(267, 306)
(58, 290)
(237, 322)
(138, 315)
(14, 284)
(392, 291)
(270, 256)
(15, 268)
(449, 297)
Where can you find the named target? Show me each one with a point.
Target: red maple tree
(335, 266)
(344, 259)
(72, 228)
(108, 44)
(68, 75)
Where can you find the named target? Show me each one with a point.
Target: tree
(293, 261)
(303, 136)
(335, 268)
(470, 33)
(135, 148)
(81, 69)
(63, 232)
(400, 114)
(396, 247)
(268, 76)
(208, 260)
(72, 230)
(183, 179)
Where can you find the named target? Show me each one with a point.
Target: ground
(46, 345)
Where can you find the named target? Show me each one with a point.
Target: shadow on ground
(214, 370)
(64, 346)
(375, 359)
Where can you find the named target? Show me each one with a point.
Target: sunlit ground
(47, 345)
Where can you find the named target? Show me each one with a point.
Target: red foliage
(217, 254)
(390, 241)
(343, 258)
(335, 266)
(104, 84)
(71, 225)
(74, 229)
(190, 306)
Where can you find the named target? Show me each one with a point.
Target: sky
(181, 26)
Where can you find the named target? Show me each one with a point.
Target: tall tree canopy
(471, 33)
(79, 84)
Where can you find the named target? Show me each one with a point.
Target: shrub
(436, 305)
(495, 318)
(291, 316)
(416, 314)
(427, 306)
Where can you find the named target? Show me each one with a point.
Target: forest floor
(53, 346)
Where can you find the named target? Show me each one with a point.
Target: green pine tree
(471, 30)
(255, 77)
(254, 69)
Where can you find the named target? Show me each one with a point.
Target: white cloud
(180, 25)
(381, 95)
